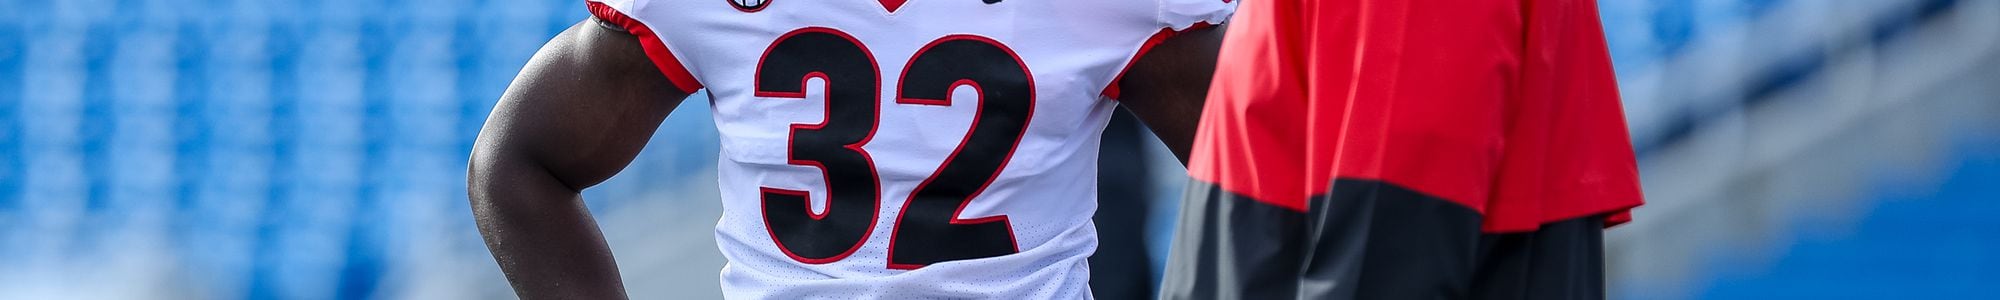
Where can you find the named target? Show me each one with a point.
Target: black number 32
(928, 230)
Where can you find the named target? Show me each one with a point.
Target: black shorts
(1374, 240)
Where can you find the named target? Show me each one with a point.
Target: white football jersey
(906, 148)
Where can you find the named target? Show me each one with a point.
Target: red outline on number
(890, 258)
(976, 89)
(807, 194)
(876, 102)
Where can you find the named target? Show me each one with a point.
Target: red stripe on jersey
(655, 49)
(1506, 107)
(1111, 90)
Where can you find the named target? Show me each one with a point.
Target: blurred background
(315, 149)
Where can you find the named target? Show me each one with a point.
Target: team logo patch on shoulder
(749, 5)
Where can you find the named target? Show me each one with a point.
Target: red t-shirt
(1507, 107)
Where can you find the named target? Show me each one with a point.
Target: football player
(870, 149)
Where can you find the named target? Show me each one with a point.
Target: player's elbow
(497, 170)
(503, 185)
(484, 175)
(482, 185)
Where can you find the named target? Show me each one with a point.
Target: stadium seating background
(310, 149)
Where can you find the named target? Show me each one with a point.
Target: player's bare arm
(1165, 88)
(577, 114)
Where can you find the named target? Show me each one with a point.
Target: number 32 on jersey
(928, 230)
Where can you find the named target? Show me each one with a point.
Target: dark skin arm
(577, 114)
(1167, 88)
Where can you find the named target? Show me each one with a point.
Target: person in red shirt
(1406, 149)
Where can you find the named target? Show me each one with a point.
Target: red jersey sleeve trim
(1111, 90)
(654, 47)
